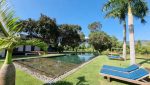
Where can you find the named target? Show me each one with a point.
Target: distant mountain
(144, 42)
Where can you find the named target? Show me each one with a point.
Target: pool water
(55, 66)
(76, 59)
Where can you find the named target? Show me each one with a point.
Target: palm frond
(6, 43)
(118, 9)
(111, 4)
(117, 12)
(142, 11)
(8, 23)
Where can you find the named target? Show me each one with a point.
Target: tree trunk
(76, 51)
(131, 36)
(124, 40)
(8, 72)
(73, 49)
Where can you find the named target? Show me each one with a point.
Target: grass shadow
(59, 83)
(125, 82)
(121, 81)
(81, 81)
(145, 61)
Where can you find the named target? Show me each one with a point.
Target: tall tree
(100, 41)
(71, 35)
(114, 42)
(48, 29)
(10, 28)
(95, 26)
(138, 46)
(45, 28)
(120, 13)
(137, 8)
(30, 27)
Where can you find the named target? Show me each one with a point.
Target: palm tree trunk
(131, 35)
(8, 72)
(124, 40)
(8, 59)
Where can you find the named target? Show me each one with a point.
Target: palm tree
(10, 29)
(120, 13)
(139, 9)
(136, 8)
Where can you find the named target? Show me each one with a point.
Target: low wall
(21, 49)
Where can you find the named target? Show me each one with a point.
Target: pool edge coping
(34, 57)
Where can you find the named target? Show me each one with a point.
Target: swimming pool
(55, 66)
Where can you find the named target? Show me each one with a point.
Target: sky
(80, 12)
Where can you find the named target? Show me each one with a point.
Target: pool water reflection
(76, 59)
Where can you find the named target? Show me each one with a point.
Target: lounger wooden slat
(137, 81)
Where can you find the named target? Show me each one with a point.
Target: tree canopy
(45, 28)
(102, 41)
(71, 35)
(119, 9)
(95, 26)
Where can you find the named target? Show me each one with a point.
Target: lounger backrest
(132, 68)
(138, 73)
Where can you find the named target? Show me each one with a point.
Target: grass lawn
(89, 74)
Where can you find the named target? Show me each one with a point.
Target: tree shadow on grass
(81, 81)
(125, 82)
(121, 81)
(59, 83)
(145, 61)
(112, 81)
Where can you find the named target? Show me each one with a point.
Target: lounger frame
(139, 81)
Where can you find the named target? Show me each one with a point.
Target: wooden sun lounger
(120, 58)
(139, 81)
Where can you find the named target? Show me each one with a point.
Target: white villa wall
(2, 53)
(28, 48)
(20, 48)
(36, 48)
